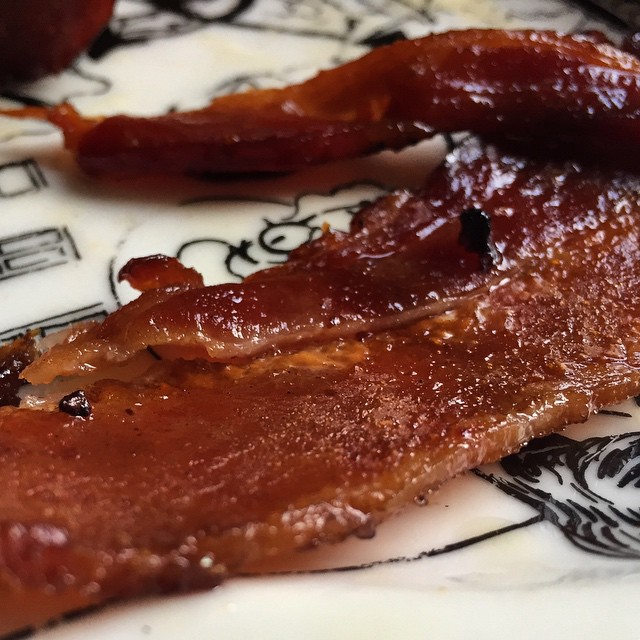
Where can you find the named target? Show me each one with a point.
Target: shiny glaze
(402, 261)
(565, 90)
(195, 469)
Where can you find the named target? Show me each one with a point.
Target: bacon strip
(401, 262)
(195, 469)
(570, 90)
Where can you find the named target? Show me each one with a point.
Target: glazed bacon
(401, 262)
(194, 469)
(576, 90)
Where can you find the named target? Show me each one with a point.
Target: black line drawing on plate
(364, 22)
(21, 177)
(590, 489)
(430, 553)
(71, 83)
(50, 324)
(26, 253)
(275, 238)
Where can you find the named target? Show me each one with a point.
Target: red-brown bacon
(192, 470)
(401, 262)
(572, 90)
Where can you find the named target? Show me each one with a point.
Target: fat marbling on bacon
(193, 469)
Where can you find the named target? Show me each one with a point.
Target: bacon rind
(574, 91)
(197, 469)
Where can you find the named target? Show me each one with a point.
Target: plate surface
(496, 553)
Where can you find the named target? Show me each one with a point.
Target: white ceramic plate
(506, 551)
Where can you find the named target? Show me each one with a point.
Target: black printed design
(362, 22)
(589, 489)
(367, 23)
(20, 178)
(97, 311)
(271, 246)
(35, 251)
(276, 238)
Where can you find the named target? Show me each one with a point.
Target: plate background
(476, 561)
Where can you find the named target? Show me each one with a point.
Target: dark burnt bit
(475, 236)
(14, 357)
(76, 404)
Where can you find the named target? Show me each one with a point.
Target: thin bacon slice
(566, 90)
(193, 470)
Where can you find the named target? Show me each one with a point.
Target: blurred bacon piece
(38, 37)
(574, 92)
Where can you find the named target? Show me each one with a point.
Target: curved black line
(611, 412)
(27, 101)
(112, 281)
(455, 546)
(220, 199)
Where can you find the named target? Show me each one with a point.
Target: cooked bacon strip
(195, 469)
(574, 90)
(400, 263)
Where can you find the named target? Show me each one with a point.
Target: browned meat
(577, 90)
(194, 469)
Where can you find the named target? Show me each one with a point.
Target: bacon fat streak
(194, 469)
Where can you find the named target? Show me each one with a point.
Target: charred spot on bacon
(475, 236)
(75, 404)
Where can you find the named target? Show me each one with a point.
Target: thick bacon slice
(401, 262)
(195, 469)
(574, 90)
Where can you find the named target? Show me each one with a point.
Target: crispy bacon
(194, 469)
(569, 90)
(401, 262)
